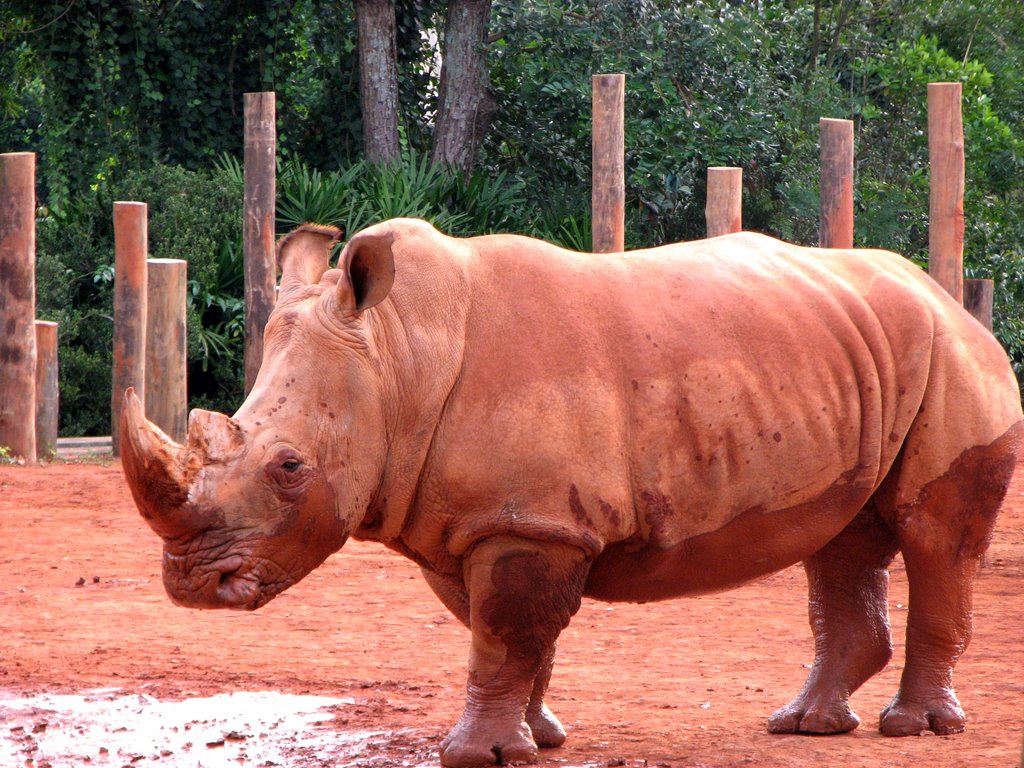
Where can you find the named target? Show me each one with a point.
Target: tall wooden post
(723, 210)
(18, 305)
(166, 393)
(978, 300)
(946, 205)
(47, 390)
(131, 242)
(260, 261)
(608, 191)
(835, 225)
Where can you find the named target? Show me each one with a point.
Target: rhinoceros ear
(303, 255)
(368, 269)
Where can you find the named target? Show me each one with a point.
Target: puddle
(109, 728)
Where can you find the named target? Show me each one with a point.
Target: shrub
(193, 216)
(197, 216)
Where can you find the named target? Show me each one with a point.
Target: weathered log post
(978, 300)
(608, 191)
(946, 200)
(166, 385)
(47, 390)
(835, 225)
(258, 256)
(131, 242)
(723, 209)
(18, 305)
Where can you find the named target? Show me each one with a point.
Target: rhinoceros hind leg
(943, 530)
(522, 594)
(848, 586)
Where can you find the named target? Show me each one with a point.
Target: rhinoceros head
(252, 503)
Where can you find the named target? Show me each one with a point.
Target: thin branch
(970, 42)
(49, 23)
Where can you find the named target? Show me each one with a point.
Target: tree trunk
(464, 104)
(378, 78)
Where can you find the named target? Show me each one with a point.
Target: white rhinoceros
(532, 426)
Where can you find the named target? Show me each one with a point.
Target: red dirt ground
(682, 683)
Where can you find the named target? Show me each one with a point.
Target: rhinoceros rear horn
(368, 263)
(215, 436)
(303, 255)
(157, 469)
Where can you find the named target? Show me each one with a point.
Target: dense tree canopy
(110, 92)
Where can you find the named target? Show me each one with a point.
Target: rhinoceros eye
(287, 469)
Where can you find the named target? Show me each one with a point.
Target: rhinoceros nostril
(226, 576)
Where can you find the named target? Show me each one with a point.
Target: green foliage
(307, 194)
(116, 96)
(364, 193)
(129, 84)
(197, 216)
(720, 108)
(191, 216)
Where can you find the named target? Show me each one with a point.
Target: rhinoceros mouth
(233, 582)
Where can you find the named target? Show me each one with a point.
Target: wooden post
(608, 191)
(131, 242)
(47, 390)
(835, 225)
(946, 206)
(18, 305)
(978, 300)
(258, 256)
(723, 210)
(166, 393)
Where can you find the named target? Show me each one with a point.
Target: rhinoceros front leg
(546, 729)
(521, 595)
(848, 585)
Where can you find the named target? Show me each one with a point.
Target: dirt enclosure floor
(359, 665)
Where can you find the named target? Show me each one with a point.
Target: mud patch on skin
(579, 512)
(658, 511)
(971, 492)
(532, 603)
(611, 514)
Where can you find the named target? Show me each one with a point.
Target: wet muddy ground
(359, 665)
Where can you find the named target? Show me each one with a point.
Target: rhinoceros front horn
(158, 470)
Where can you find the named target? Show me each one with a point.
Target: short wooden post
(978, 300)
(18, 305)
(258, 256)
(131, 242)
(166, 348)
(835, 225)
(946, 205)
(608, 191)
(723, 210)
(47, 390)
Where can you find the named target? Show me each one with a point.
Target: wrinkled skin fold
(533, 426)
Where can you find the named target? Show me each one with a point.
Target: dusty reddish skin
(531, 426)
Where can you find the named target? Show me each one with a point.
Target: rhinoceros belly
(757, 542)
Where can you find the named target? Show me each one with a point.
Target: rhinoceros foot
(471, 744)
(942, 716)
(547, 730)
(801, 716)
